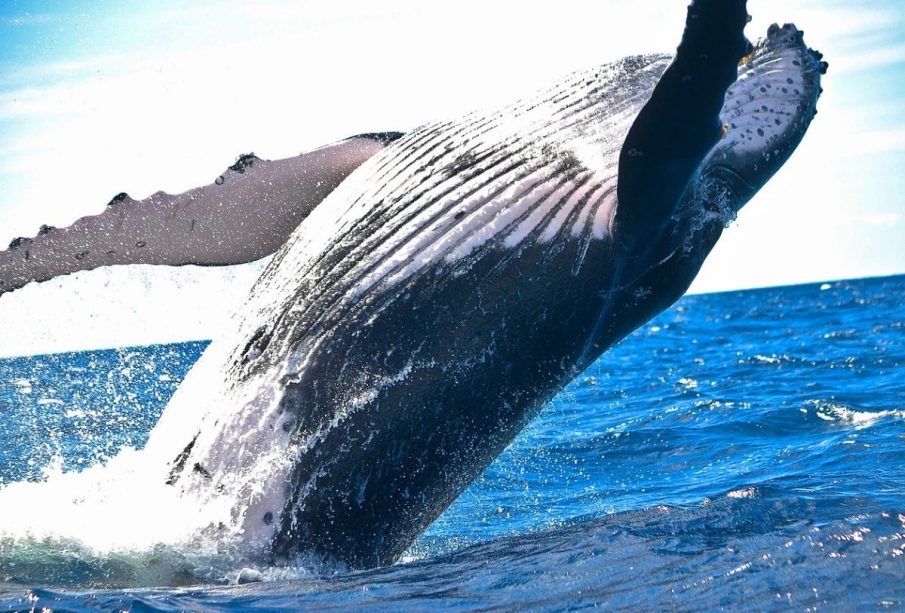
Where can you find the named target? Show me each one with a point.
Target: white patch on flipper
(766, 100)
(769, 101)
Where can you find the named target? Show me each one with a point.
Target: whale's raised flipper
(246, 213)
(680, 124)
(765, 115)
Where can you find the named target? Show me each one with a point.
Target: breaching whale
(458, 278)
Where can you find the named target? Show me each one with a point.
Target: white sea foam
(859, 419)
(122, 306)
(120, 520)
(104, 507)
(746, 492)
(123, 513)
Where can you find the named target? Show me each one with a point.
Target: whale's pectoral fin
(246, 213)
(767, 113)
(680, 123)
(765, 116)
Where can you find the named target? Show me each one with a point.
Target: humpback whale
(443, 285)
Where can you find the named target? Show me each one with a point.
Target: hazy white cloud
(24, 77)
(828, 19)
(879, 141)
(882, 219)
(871, 58)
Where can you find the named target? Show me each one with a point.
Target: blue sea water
(742, 450)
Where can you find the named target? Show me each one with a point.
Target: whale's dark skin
(384, 377)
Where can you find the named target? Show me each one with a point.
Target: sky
(99, 97)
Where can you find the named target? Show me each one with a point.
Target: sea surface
(744, 450)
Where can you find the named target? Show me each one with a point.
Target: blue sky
(101, 97)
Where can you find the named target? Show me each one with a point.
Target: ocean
(743, 450)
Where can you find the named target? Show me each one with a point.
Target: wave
(753, 550)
